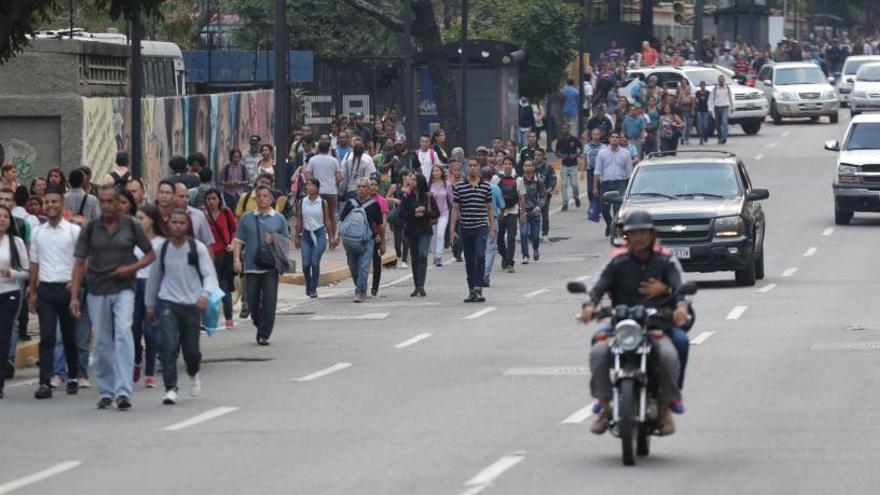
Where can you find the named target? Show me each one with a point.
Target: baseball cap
(255, 139)
(482, 149)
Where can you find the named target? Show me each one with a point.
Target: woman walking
(266, 165)
(669, 128)
(146, 336)
(419, 213)
(312, 227)
(438, 138)
(686, 104)
(56, 179)
(441, 191)
(653, 115)
(377, 256)
(13, 272)
(233, 178)
(394, 199)
(223, 228)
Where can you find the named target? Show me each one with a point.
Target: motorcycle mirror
(576, 288)
(688, 289)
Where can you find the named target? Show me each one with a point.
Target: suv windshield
(709, 76)
(853, 66)
(863, 136)
(870, 73)
(685, 180)
(799, 75)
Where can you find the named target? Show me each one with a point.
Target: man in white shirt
(51, 268)
(251, 156)
(722, 101)
(427, 156)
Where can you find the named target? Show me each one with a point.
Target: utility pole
(698, 29)
(281, 95)
(465, 11)
(70, 18)
(209, 39)
(582, 35)
(408, 87)
(136, 90)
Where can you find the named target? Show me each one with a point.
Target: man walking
(362, 227)
(570, 95)
(201, 229)
(108, 243)
(547, 174)
(534, 198)
(181, 279)
(51, 266)
(328, 171)
(472, 207)
(528, 152)
(591, 150)
(513, 214)
(83, 205)
(250, 158)
(613, 169)
(259, 232)
(722, 102)
(568, 148)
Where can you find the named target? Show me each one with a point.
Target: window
(799, 75)
(683, 180)
(863, 136)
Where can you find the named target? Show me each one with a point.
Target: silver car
(850, 67)
(798, 89)
(866, 89)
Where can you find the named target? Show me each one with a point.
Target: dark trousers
(418, 248)
(23, 316)
(138, 321)
(9, 302)
(590, 174)
(401, 245)
(225, 277)
(456, 246)
(473, 244)
(180, 330)
(377, 268)
(610, 185)
(545, 216)
(53, 306)
(262, 293)
(507, 226)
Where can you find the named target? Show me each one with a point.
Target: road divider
(38, 476)
(699, 339)
(487, 476)
(736, 313)
(482, 312)
(324, 372)
(408, 342)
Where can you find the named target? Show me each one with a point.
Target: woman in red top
(223, 226)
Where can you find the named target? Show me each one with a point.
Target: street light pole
(698, 28)
(136, 90)
(465, 11)
(70, 18)
(408, 90)
(281, 96)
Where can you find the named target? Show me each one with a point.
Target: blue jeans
(721, 116)
(523, 135)
(530, 231)
(312, 245)
(569, 177)
(489, 259)
(703, 126)
(679, 341)
(686, 132)
(359, 265)
(473, 243)
(604, 187)
(114, 345)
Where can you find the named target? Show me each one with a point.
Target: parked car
(866, 89)
(850, 68)
(798, 89)
(857, 185)
(705, 210)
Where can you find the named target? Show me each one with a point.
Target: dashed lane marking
(23, 383)
(767, 288)
(408, 342)
(582, 278)
(482, 312)
(790, 271)
(324, 372)
(827, 232)
(579, 416)
(786, 133)
(487, 476)
(736, 312)
(699, 339)
(38, 476)
(367, 316)
(201, 418)
(759, 156)
(772, 145)
(811, 251)
(536, 293)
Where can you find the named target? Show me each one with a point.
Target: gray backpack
(355, 229)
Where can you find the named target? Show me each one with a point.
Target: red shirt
(649, 57)
(223, 228)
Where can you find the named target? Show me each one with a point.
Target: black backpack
(508, 190)
(192, 257)
(120, 180)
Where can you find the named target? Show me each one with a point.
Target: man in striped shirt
(473, 212)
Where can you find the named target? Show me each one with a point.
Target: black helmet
(638, 220)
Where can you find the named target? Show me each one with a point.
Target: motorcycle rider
(642, 273)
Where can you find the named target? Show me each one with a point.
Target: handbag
(264, 258)
(431, 221)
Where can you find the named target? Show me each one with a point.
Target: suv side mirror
(832, 145)
(758, 195)
(768, 82)
(612, 198)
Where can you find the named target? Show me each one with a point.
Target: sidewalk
(334, 265)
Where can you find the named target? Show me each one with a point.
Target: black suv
(705, 210)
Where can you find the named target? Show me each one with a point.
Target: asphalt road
(433, 396)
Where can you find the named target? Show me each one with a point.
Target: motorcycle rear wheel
(626, 422)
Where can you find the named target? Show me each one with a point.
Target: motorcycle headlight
(847, 173)
(732, 226)
(829, 94)
(628, 334)
(786, 96)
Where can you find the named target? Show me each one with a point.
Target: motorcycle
(635, 416)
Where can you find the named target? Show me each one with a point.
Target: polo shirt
(473, 202)
(106, 251)
(52, 249)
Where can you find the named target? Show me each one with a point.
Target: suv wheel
(842, 217)
(834, 117)
(759, 265)
(751, 127)
(774, 114)
(747, 276)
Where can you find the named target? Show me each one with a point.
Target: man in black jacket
(545, 172)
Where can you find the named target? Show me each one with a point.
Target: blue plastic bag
(595, 211)
(212, 313)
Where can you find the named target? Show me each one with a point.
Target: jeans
(53, 308)
(400, 244)
(419, 245)
(663, 361)
(523, 135)
(703, 126)
(639, 143)
(457, 249)
(13, 342)
(610, 185)
(359, 265)
(686, 131)
(721, 116)
(312, 245)
(180, 330)
(569, 177)
(262, 292)
(489, 261)
(9, 302)
(439, 236)
(545, 216)
(226, 280)
(507, 238)
(530, 231)
(114, 346)
(473, 244)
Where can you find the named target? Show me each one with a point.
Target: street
(429, 395)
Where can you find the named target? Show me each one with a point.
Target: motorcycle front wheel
(626, 420)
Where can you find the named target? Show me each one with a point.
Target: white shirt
(250, 162)
(721, 96)
(32, 220)
(13, 283)
(144, 272)
(428, 159)
(312, 213)
(52, 249)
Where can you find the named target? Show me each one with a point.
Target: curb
(27, 353)
(331, 276)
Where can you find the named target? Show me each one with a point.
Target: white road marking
(827, 232)
(482, 312)
(579, 416)
(548, 371)
(699, 339)
(486, 477)
(759, 156)
(324, 372)
(397, 281)
(367, 316)
(201, 418)
(786, 133)
(582, 278)
(38, 476)
(23, 383)
(536, 293)
(772, 145)
(767, 288)
(408, 342)
(811, 251)
(790, 271)
(736, 312)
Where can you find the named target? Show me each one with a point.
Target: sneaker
(137, 374)
(545, 238)
(458, 259)
(83, 383)
(245, 312)
(414, 293)
(170, 397)
(478, 296)
(511, 269)
(577, 202)
(72, 387)
(536, 257)
(422, 292)
(677, 407)
(402, 264)
(525, 260)
(56, 381)
(230, 324)
(149, 382)
(44, 392)
(195, 385)
(262, 341)
(565, 207)
(471, 298)
(359, 298)
(104, 402)
(313, 295)
(123, 403)
(486, 282)
(600, 424)
(10, 370)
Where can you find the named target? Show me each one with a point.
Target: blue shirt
(342, 152)
(570, 93)
(614, 165)
(497, 200)
(636, 91)
(591, 150)
(633, 126)
(273, 223)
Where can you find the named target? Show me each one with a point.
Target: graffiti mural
(210, 124)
